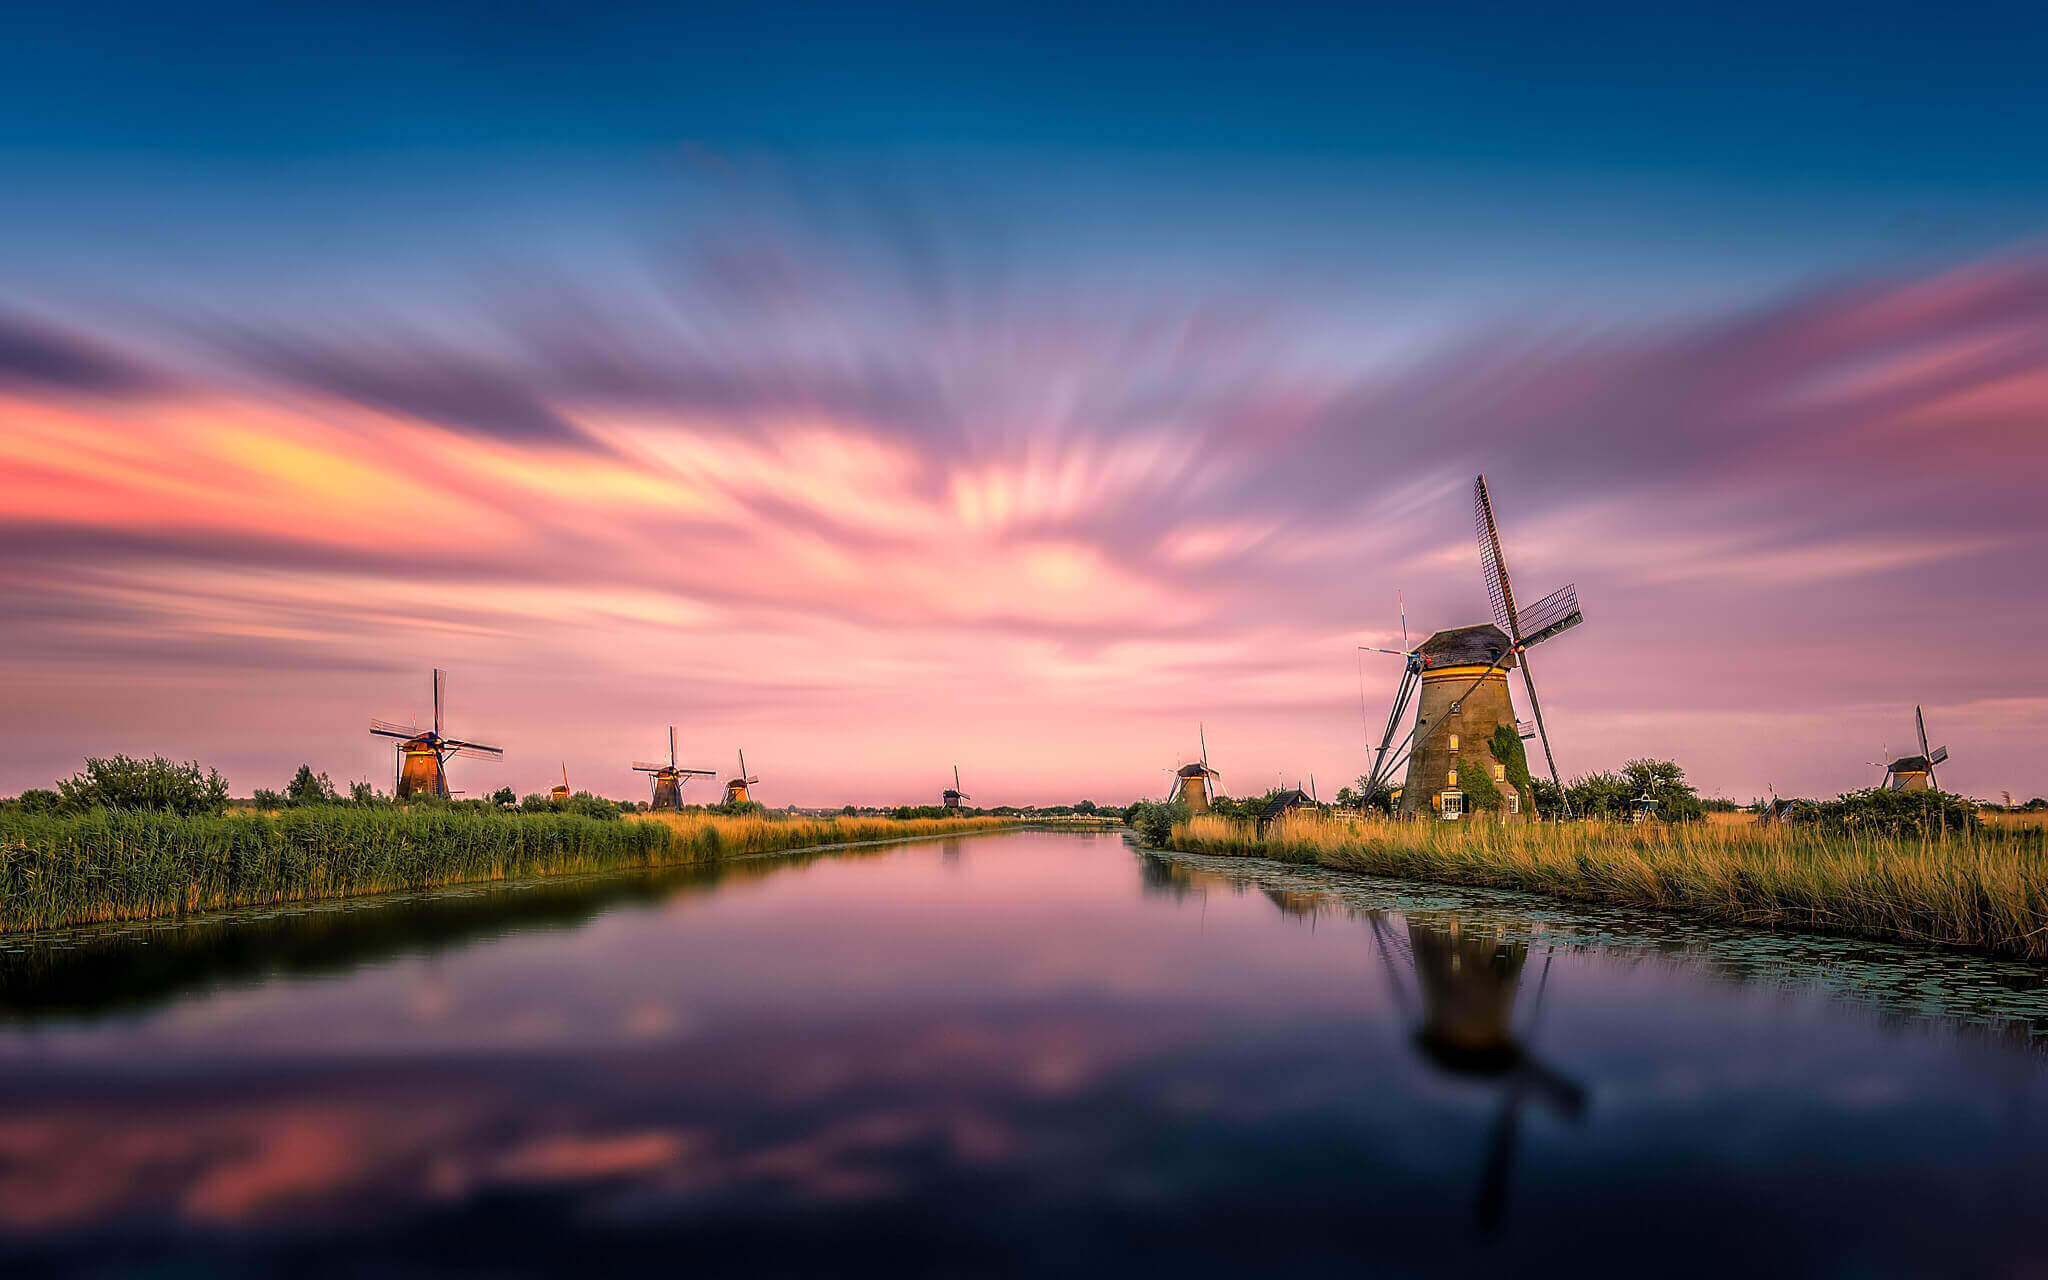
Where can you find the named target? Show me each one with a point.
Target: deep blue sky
(1856, 93)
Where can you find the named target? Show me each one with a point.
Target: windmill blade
(1499, 590)
(641, 766)
(696, 773)
(393, 727)
(1373, 648)
(671, 746)
(1203, 729)
(1920, 727)
(1543, 736)
(403, 735)
(437, 699)
(1554, 614)
(472, 750)
(1938, 756)
(956, 779)
(1402, 600)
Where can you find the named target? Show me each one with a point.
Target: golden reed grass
(1987, 892)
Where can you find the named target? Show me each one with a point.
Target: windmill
(1915, 773)
(423, 755)
(1194, 784)
(952, 796)
(736, 788)
(667, 782)
(1461, 677)
(1555, 613)
(561, 793)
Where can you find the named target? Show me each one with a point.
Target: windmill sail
(1556, 612)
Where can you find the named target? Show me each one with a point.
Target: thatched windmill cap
(1195, 770)
(1911, 764)
(1478, 646)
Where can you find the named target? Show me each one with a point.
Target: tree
(120, 782)
(504, 798)
(264, 798)
(362, 793)
(307, 787)
(1663, 781)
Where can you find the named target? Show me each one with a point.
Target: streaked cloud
(890, 492)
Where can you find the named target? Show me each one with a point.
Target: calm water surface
(1023, 1053)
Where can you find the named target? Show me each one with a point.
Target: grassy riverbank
(1987, 891)
(124, 865)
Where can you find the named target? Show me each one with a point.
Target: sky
(882, 388)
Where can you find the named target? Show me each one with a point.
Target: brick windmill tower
(667, 780)
(423, 755)
(1464, 705)
(1194, 784)
(736, 788)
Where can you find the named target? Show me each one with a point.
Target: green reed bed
(1986, 890)
(130, 865)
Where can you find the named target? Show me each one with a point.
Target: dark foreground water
(1037, 1052)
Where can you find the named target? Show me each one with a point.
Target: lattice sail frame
(1499, 590)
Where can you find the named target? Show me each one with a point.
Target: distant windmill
(667, 782)
(736, 788)
(952, 796)
(1915, 773)
(561, 792)
(1194, 784)
(423, 755)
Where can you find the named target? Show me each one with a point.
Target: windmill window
(1452, 781)
(1500, 773)
(1454, 804)
(1514, 804)
(1454, 742)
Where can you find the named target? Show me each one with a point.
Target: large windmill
(1461, 676)
(1193, 784)
(952, 796)
(736, 788)
(667, 782)
(1915, 773)
(423, 755)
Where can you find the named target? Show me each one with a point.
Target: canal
(1024, 1053)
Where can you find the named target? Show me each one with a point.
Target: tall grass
(1987, 891)
(130, 865)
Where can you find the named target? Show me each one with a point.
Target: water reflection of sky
(1024, 1053)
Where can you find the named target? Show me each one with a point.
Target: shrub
(1879, 811)
(156, 784)
(1154, 819)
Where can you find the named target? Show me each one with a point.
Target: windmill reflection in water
(1466, 983)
